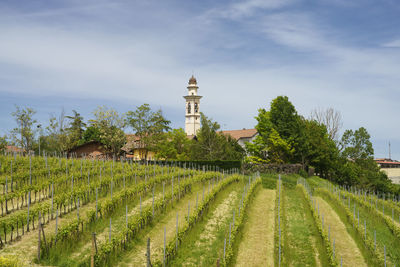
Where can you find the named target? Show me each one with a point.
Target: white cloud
(246, 8)
(392, 44)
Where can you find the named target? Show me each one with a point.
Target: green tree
(76, 129)
(91, 134)
(356, 144)
(3, 143)
(284, 118)
(23, 135)
(174, 145)
(149, 126)
(269, 146)
(212, 145)
(110, 126)
(318, 149)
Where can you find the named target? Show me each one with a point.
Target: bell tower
(192, 113)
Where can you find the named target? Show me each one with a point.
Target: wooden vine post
(39, 241)
(148, 263)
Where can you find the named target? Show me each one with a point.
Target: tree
(174, 145)
(24, 133)
(91, 134)
(356, 144)
(109, 124)
(331, 118)
(3, 143)
(211, 145)
(57, 138)
(148, 126)
(319, 149)
(75, 129)
(278, 131)
(284, 118)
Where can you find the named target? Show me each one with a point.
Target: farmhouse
(93, 149)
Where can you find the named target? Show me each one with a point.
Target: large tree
(148, 126)
(24, 134)
(356, 144)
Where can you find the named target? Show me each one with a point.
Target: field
(74, 212)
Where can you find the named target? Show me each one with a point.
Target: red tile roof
(237, 134)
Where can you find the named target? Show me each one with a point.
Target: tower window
(196, 108)
(189, 107)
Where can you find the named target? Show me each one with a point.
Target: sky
(77, 55)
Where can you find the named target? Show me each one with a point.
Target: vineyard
(81, 212)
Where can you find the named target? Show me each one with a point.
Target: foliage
(110, 127)
(76, 129)
(90, 134)
(3, 143)
(286, 137)
(24, 133)
(173, 145)
(356, 144)
(9, 262)
(213, 145)
(148, 126)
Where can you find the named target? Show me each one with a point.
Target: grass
(303, 246)
(257, 237)
(345, 246)
(204, 243)
(384, 236)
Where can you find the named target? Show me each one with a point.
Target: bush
(303, 173)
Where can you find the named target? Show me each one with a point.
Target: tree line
(65, 132)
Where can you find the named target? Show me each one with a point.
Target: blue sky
(328, 53)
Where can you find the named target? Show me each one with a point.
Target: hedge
(215, 165)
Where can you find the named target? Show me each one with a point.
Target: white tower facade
(192, 114)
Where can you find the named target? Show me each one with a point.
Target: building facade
(192, 114)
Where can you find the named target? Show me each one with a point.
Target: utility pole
(390, 156)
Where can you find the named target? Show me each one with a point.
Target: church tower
(192, 121)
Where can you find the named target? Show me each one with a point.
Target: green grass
(303, 244)
(384, 236)
(210, 248)
(368, 256)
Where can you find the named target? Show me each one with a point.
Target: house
(14, 149)
(242, 136)
(391, 168)
(92, 149)
(135, 149)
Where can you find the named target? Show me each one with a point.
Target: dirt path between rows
(345, 246)
(257, 245)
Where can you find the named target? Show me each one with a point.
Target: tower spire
(192, 113)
